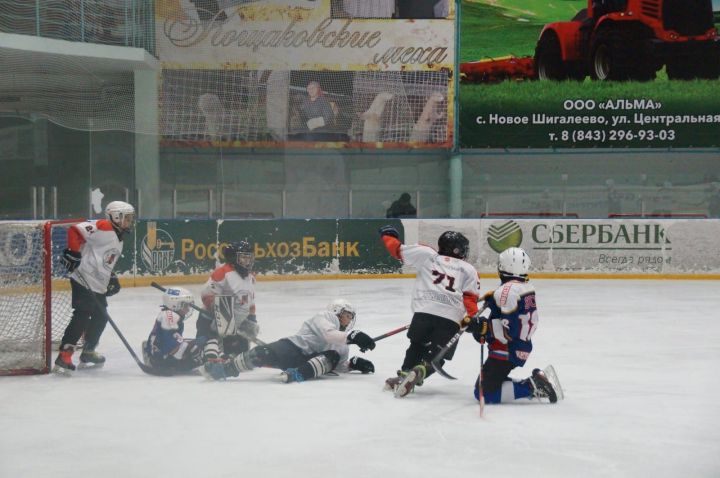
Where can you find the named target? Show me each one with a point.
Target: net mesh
(22, 294)
(66, 92)
(108, 22)
(357, 106)
(86, 93)
(203, 97)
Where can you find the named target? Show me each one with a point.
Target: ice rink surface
(638, 361)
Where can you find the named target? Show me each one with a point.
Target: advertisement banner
(285, 247)
(314, 73)
(645, 247)
(580, 74)
(292, 246)
(369, 254)
(572, 246)
(175, 247)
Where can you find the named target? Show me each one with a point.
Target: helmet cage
(337, 307)
(121, 215)
(240, 254)
(179, 300)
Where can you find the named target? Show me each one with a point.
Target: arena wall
(186, 251)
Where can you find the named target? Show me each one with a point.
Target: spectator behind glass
(317, 115)
(401, 208)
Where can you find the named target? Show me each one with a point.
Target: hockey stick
(207, 315)
(392, 332)
(143, 367)
(481, 397)
(435, 362)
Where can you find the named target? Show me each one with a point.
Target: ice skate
(290, 375)
(541, 386)
(552, 377)
(392, 383)
(414, 378)
(63, 363)
(91, 359)
(214, 370)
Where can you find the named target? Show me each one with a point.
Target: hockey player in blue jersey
(507, 323)
(166, 348)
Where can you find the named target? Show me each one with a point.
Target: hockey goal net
(35, 300)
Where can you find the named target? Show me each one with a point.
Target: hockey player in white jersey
(229, 297)
(94, 248)
(165, 347)
(445, 291)
(319, 347)
(508, 322)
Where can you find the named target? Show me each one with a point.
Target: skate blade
(89, 365)
(390, 385)
(282, 378)
(552, 377)
(62, 371)
(406, 386)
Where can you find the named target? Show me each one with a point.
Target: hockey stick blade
(206, 314)
(143, 367)
(438, 368)
(148, 370)
(436, 361)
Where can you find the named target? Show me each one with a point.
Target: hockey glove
(70, 259)
(361, 365)
(478, 327)
(361, 339)
(389, 231)
(113, 286)
(249, 327)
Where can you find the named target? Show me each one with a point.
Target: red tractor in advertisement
(631, 40)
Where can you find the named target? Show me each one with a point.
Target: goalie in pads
(166, 348)
(229, 297)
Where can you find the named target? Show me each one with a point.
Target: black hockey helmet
(240, 255)
(453, 244)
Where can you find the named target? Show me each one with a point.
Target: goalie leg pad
(243, 362)
(224, 315)
(211, 350)
(320, 364)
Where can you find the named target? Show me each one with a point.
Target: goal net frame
(35, 298)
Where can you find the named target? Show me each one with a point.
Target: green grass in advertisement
(522, 112)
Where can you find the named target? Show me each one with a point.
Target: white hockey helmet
(179, 300)
(514, 262)
(338, 306)
(121, 214)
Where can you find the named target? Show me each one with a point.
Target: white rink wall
(650, 247)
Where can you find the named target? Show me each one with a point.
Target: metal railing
(109, 22)
(689, 201)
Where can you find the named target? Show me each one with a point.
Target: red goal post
(35, 299)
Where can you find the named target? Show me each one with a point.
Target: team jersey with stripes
(100, 250)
